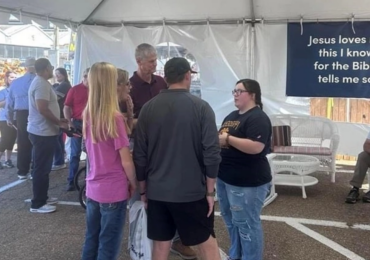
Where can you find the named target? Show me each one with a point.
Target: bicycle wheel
(79, 178)
(82, 196)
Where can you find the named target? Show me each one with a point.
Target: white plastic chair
(270, 198)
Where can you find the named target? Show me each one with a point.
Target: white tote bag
(139, 244)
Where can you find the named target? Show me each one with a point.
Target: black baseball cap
(176, 67)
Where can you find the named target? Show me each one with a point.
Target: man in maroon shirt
(145, 86)
(74, 105)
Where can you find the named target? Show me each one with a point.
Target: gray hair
(143, 50)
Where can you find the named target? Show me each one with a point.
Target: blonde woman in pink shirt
(111, 177)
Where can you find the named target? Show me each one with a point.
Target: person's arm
(245, 145)
(9, 106)
(128, 165)
(257, 132)
(42, 99)
(122, 144)
(67, 110)
(367, 146)
(43, 108)
(211, 153)
(3, 97)
(130, 112)
(140, 154)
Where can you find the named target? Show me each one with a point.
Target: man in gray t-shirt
(38, 124)
(43, 127)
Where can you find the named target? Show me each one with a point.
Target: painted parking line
(11, 185)
(324, 240)
(305, 221)
(70, 203)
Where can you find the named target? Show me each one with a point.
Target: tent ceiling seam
(37, 16)
(94, 11)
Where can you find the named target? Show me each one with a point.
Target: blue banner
(329, 60)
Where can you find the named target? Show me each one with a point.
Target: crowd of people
(147, 139)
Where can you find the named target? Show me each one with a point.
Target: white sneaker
(52, 201)
(22, 177)
(44, 209)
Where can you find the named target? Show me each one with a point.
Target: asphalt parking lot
(319, 227)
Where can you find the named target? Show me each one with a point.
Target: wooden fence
(342, 110)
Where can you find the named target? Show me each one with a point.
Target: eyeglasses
(238, 91)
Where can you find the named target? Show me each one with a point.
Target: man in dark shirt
(145, 86)
(177, 155)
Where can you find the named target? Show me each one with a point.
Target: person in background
(176, 154)
(61, 89)
(74, 105)
(43, 127)
(8, 133)
(111, 177)
(362, 165)
(245, 175)
(17, 102)
(8, 79)
(124, 100)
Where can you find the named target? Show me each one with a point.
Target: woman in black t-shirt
(244, 177)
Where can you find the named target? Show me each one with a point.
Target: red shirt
(143, 91)
(77, 99)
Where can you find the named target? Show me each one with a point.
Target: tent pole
(253, 15)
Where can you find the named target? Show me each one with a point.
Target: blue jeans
(43, 151)
(104, 230)
(241, 209)
(74, 161)
(59, 150)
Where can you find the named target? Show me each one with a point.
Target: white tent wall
(220, 50)
(270, 62)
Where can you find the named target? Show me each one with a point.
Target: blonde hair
(102, 105)
(122, 76)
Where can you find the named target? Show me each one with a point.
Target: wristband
(211, 194)
(143, 193)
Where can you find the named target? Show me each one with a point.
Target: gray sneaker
(44, 209)
(22, 177)
(58, 167)
(52, 201)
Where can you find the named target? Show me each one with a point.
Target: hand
(130, 107)
(211, 204)
(10, 123)
(145, 200)
(63, 124)
(222, 139)
(131, 190)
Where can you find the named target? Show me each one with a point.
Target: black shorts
(188, 218)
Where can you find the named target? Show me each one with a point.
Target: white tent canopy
(105, 12)
(229, 39)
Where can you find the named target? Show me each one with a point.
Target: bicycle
(82, 196)
(79, 178)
